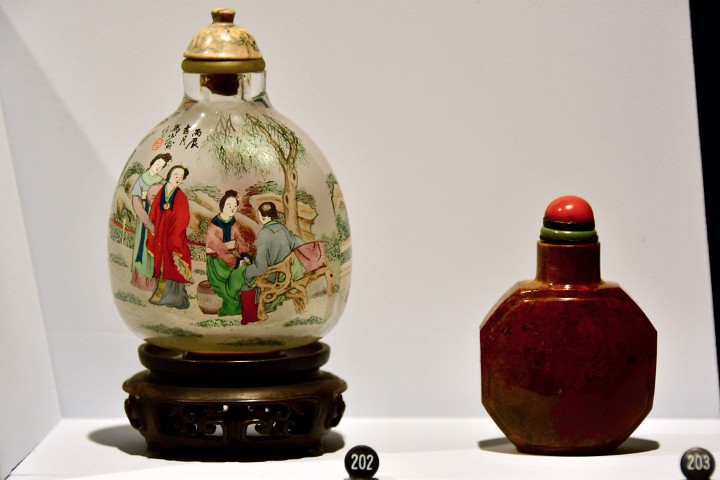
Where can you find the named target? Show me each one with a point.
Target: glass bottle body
(228, 230)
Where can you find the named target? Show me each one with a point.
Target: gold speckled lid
(223, 47)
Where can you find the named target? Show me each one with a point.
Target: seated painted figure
(227, 256)
(274, 243)
(283, 267)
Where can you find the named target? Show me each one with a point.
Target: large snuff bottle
(228, 231)
(567, 359)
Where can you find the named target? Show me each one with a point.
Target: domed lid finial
(223, 15)
(569, 220)
(223, 47)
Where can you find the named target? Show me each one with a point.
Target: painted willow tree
(262, 143)
(289, 151)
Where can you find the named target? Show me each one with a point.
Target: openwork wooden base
(228, 407)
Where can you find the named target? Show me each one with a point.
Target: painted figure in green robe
(142, 263)
(227, 255)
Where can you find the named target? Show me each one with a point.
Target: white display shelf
(409, 448)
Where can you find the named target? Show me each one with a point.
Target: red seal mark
(157, 144)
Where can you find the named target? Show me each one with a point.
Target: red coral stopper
(569, 209)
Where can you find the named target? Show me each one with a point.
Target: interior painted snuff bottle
(228, 231)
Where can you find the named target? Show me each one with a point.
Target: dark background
(703, 17)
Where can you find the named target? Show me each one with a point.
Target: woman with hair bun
(168, 243)
(227, 255)
(142, 264)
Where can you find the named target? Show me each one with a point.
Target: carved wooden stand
(229, 407)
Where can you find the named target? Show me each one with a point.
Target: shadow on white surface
(123, 437)
(629, 446)
(128, 440)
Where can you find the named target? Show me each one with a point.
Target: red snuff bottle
(567, 359)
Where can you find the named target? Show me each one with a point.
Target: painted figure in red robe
(168, 245)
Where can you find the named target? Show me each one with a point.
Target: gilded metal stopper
(223, 47)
